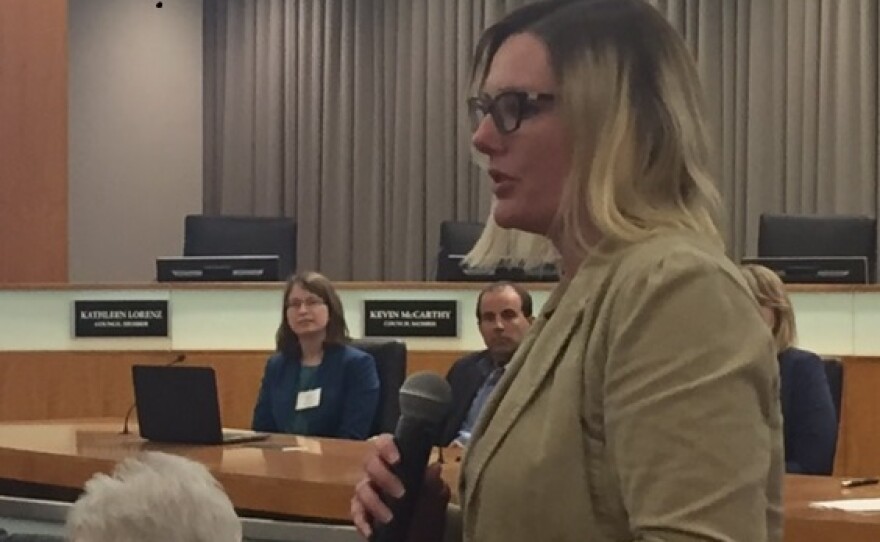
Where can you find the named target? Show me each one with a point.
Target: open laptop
(179, 404)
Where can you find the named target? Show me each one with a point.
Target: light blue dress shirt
(467, 426)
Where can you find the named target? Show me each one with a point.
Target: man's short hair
(524, 297)
(154, 497)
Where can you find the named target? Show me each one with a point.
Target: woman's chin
(307, 332)
(505, 217)
(512, 219)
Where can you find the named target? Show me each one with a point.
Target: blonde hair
(769, 291)
(631, 97)
(499, 246)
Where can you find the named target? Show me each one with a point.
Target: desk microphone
(175, 361)
(425, 401)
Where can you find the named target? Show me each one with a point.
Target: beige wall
(135, 134)
(33, 141)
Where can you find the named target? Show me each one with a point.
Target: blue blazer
(809, 419)
(349, 394)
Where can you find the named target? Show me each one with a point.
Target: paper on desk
(849, 505)
(307, 445)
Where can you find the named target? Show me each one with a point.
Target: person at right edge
(643, 405)
(809, 426)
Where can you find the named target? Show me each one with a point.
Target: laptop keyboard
(236, 433)
(242, 435)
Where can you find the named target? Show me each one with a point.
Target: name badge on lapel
(308, 399)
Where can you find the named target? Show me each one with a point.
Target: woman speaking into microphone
(643, 404)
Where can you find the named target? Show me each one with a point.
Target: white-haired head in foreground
(154, 497)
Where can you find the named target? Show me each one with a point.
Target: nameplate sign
(129, 318)
(410, 318)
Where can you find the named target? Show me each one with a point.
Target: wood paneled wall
(58, 385)
(858, 440)
(33, 141)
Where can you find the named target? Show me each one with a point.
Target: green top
(298, 423)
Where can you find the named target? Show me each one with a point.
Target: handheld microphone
(175, 361)
(425, 401)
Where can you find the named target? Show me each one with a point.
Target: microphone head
(425, 396)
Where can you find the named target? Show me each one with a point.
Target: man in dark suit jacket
(504, 315)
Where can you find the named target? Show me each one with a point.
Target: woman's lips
(501, 182)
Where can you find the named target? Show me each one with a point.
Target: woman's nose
(486, 138)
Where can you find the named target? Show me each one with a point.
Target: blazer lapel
(476, 378)
(467, 381)
(285, 394)
(563, 313)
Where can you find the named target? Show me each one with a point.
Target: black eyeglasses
(507, 109)
(309, 303)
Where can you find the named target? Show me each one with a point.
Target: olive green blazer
(642, 406)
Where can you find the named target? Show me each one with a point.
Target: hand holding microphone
(400, 495)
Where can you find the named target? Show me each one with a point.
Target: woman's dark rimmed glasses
(309, 303)
(507, 109)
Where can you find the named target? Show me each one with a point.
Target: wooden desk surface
(286, 474)
(296, 476)
(314, 478)
(805, 524)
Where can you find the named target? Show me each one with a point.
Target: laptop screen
(177, 404)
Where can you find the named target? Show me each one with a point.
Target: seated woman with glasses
(315, 384)
(809, 418)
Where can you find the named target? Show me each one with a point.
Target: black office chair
(390, 359)
(819, 248)
(456, 241)
(834, 374)
(218, 235)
